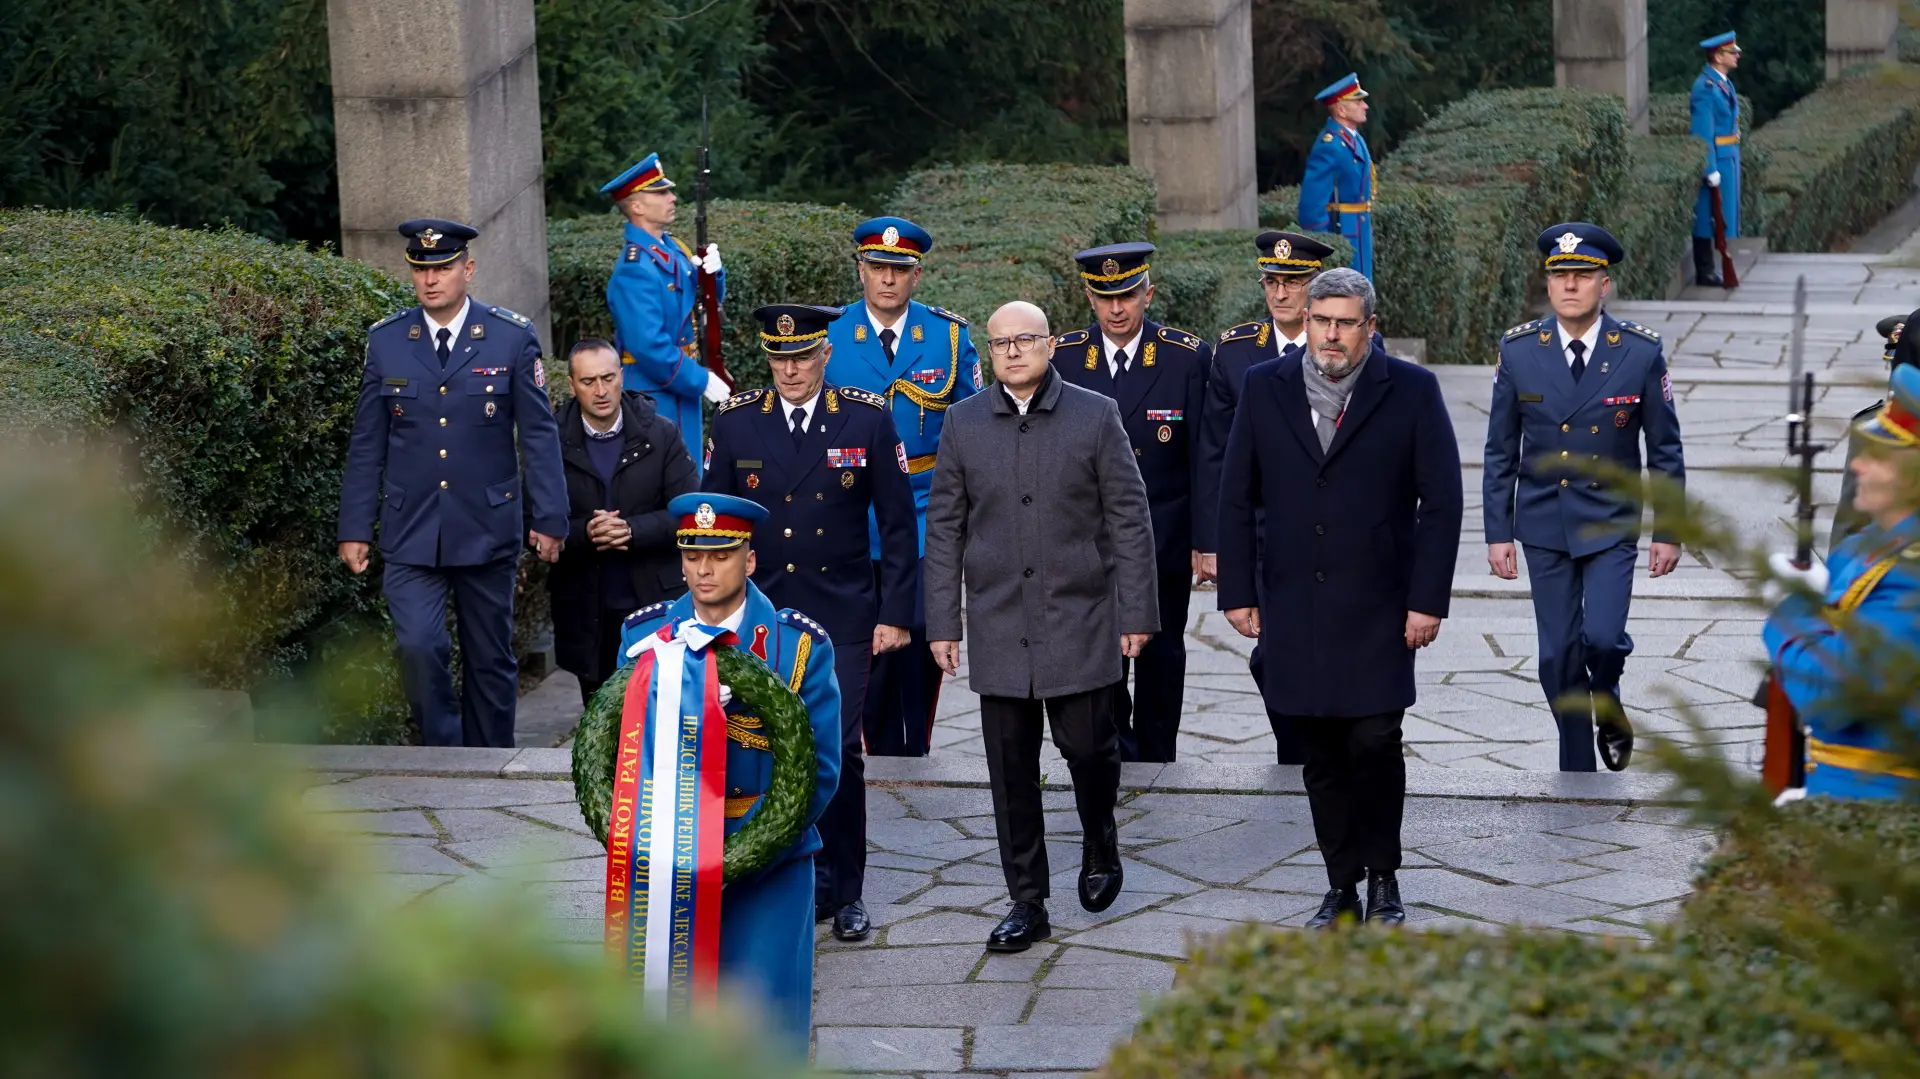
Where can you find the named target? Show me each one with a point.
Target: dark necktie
(1579, 349)
(887, 337)
(444, 349)
(1119, 362)
(798, 424)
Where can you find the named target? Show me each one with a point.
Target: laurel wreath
(782, 815)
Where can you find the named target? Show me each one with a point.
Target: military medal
(1620, 418)
(398, 411)
(753, 480)
(490, 409)
(846, 479)
(1166, 432)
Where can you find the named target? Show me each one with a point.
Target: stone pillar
(1860, 31)
(1190, 109)
(436, 111)
(1602, 45)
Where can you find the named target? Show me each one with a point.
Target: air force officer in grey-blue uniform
(1569, 392)
(433, 458)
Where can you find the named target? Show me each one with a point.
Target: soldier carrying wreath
(706, 761)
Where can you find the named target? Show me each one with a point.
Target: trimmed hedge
(1516, 161)
(1262, 1001)
(1840, 158)
(1413, 241)
(775, 252)
(1669, 115)
(231, 365)
(1656, 224)
(1008, 232)
(1205, 281)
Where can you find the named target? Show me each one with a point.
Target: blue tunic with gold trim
(652, 296)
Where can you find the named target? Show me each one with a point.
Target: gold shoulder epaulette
(864, 396)
(948, 315)
(1523, 328)
(1179, 337)
(739, 399)
(395, 317)
(1245, 329)
(1071, 338)
(1635, 327)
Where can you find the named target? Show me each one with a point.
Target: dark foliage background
(1782, 42)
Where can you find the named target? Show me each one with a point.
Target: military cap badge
(704, 516)
(891, 237)
(1283, 249)
(430, 239)
(1110, 267)
(784, 324)
(1568, 241)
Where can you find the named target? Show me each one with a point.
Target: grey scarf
(1328, 397)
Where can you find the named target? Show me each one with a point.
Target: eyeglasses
(1339, 325)
(1025, 342)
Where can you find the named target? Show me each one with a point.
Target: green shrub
(1206, 281)
(1656, 223)
(230, 364)
(1516, 161)
(774, 252)
(1265, 1001)
(1414, 254)
(1008, 232)
(168, 909)
(1669, 115)
(1840, 158)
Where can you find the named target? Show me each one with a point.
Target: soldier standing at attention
(1714, 115)
(652, 296)
(1336, 194)
(822, 459)
(1288, 263)
(921, 361)
(1573, 389)
(446, 386)
(1158, 375)
(1846, 519)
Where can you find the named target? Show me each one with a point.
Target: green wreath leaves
(782, 815)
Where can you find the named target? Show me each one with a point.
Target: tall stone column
(436, 111)
(1602, 45)
(1860, 31)
(1190, 109)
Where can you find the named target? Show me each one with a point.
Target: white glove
(710, 262)
(1785, 574)
(1713, 180)
(716, 390)
(726, 694)
(1789, 796)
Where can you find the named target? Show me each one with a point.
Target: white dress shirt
(806, 411)
(452, 328)
(1133, 351)
(898, 326)
(1282, 340)
(1591, 339)
(1019, 403)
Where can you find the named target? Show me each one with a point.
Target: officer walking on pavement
(921, 360)
(1288, 263)
(447, 385)
(1336, 194)
(652, 296)
(1569, 391)
(1714, 116)
(822, 459)
(1158, 375)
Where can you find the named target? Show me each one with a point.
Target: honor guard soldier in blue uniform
(766, 941)
(823, 458)
(1849, 661)
(1578, 388)
(652, 294)
(1846, 519)
(1714, 116)
(433, 458)
(1336, 194)
(1288, 263)
(922, 361)
(1158, 375)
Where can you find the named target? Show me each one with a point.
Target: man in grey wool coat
(1038, 503)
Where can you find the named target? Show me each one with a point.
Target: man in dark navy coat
(1158, 376)
(820, 457)
(1288, 263)
(1350, 454)
(433, 457)
(1572, 391)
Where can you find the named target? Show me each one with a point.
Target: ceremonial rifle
(1727, 276)
(706, 309)
(1784, 762)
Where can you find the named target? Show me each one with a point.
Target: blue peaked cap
(1718, 41)
(713, 521)
(1579, 245)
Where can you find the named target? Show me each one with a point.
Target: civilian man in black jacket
(624, 462)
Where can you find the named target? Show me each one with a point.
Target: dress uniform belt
(917, 465)
(1351, 207)
(1727, 140)
(1858, 759)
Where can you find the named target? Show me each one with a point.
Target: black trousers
(1148, 721)
(902, 691)
(840, 869)
(607, 648)
(1357, 788)
(1083, 730)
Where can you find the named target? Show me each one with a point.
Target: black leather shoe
(1024, 924)
(1100, 872)
(1383, 899)
(1612, 731)
(1339, 901)
(851, 923)
(1706, 269)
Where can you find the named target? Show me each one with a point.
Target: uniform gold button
(818, 497)
(789, 498)
(443, 485)
(788, 533)
(443, 391)
(819, 531)
(789, 567)
(1563, 483)
(443, 453)
(1563, 428)
(1563, 453)
(443, 421)
(1594, 430)
(823, 569)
